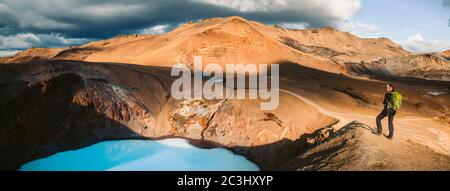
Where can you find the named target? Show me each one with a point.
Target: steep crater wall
(58, 106)
(62, 113)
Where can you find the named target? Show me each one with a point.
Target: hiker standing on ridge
(392, 102)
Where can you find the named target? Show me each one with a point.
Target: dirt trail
(417, 140)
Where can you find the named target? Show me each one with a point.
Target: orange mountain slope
(235, 40)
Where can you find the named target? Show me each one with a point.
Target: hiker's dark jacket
(387, 100)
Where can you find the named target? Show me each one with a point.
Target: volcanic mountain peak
(33, 54)
(446, 53)
(234, 40)
(323, 30)
(234, 19)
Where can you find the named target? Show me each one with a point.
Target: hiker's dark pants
(390, 113)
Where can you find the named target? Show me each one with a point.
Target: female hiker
(392, 102)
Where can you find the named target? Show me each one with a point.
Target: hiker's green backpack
(397, 100)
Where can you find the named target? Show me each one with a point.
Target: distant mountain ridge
(235, 40)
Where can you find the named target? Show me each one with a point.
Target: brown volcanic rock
(429, 66)
(348, 47)
(66, 111)
(240, 124)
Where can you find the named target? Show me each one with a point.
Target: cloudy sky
(418, 25)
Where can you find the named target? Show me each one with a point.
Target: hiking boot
(376, 133)
(390, 137)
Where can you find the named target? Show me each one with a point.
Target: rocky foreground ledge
(56, 106)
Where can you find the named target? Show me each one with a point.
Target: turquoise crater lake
(142, 155)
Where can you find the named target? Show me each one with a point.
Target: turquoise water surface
(142, 155)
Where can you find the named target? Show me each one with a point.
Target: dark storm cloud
(95, 19)
(446, 3)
